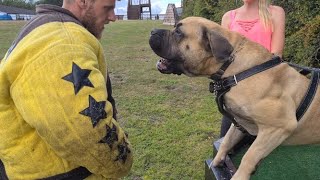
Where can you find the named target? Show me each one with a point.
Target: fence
(145, 16)
(137, 2)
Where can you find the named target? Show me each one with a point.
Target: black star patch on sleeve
(79, 77)
(95, 111)
(110, 137)
(124, 150)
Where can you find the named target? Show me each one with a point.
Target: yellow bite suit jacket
(55, 116)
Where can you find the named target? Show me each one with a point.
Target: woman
(260, 22)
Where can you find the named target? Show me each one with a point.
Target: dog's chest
(242, 114)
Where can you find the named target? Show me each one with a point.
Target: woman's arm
(278, 34)
(225, 21)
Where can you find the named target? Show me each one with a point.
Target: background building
(16, 13)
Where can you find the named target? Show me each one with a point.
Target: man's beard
(89, 22)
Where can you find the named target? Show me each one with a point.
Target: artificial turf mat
(287, 163)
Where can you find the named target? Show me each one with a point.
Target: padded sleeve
(63, 95)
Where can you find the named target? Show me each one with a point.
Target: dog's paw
(218, 161)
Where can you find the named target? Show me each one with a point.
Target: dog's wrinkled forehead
(194, 24)
(200, 38)
(186, 33)
(187, 29)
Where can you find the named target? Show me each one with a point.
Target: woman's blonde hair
(264, 14)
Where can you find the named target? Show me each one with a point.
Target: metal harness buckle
(235, 79)
(216, 86)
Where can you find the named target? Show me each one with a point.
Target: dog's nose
(154, 31)
(155, 40)
(159, 32)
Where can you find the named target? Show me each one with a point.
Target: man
(56, 118)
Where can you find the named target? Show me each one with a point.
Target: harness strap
(230, 81)
(217, 76)
(220, 103)
(222, 86)
(304, 70)
(223, 68)
(75, 174)
(305, 103)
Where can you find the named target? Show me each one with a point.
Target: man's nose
(112, 17)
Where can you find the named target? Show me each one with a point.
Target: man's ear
(82, 3)
(219, 45)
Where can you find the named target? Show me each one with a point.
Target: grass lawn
(171, 120)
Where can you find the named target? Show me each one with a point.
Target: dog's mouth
(163, 65)
(166, 66)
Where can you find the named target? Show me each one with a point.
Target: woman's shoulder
(277, 11)
(227, 16)
(230, 12)
(278, 17)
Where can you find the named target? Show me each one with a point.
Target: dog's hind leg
(267, 140)
(232, 138)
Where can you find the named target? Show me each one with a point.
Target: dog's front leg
(267, 140)
(232, 137)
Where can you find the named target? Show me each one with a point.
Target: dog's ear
(218, 45)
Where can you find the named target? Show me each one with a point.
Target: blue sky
(157, 6)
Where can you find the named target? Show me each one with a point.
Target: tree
(302, 25)
(17, 3)
(54, 2)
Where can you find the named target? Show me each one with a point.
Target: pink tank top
(253, 30)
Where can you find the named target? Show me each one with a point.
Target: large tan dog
(264, 104)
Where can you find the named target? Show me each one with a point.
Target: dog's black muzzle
(156, 41)
(160, 43)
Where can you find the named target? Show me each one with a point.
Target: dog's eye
(178, 35)
(178, 32)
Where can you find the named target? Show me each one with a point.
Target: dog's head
(193, 47)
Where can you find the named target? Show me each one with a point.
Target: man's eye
(108, 8)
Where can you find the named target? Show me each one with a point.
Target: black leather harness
(313, 86)
(220, 86)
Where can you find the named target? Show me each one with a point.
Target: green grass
(171, 120)
(8, 31)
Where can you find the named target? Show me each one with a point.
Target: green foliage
(18, 3)
(23, 4)
(302, 31)
(218, 8)
(54, 2)
(303, 46)
(211, 9)
(188, 8)
(301, 12)
(302, 25)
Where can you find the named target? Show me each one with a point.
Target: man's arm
(62, 94)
